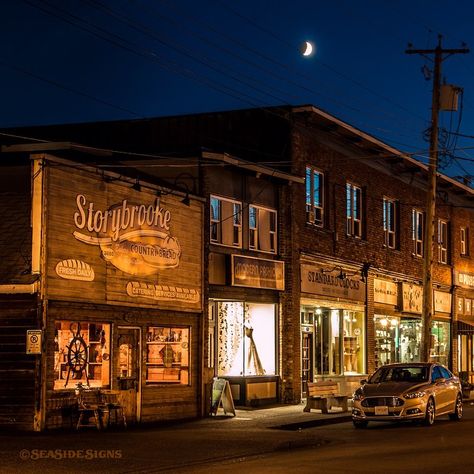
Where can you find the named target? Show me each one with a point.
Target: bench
(323, 396)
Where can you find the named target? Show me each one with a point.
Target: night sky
(89, 60)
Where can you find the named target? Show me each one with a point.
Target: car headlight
(412, 395)
(357, 396)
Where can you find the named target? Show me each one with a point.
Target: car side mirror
(440, 380)
(363, 382)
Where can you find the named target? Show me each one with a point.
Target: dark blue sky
(87, 60)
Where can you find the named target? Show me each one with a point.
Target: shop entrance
(129, 371)
(307, 372)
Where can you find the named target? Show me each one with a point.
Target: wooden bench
(323, 396)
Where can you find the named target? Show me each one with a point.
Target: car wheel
(430, 412)
(360, 423)
(457, 415)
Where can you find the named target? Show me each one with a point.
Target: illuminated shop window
(246, 338)
(440, 342)
(167, 359)
(354, 342)
(386, 340)
(410, 340)
(81, 354)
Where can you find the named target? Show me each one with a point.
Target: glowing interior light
(383, 322)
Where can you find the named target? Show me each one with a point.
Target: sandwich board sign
(221, 397)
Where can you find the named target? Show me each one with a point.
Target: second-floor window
(464, 239)
(262, 229)
(226, 222)
(442, 241)
(314, 196)
(417, 232)
(390, 222)
(353, 210)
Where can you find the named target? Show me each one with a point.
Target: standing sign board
(33, 341)
(221, 397)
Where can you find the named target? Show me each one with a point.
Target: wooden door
(129, 380)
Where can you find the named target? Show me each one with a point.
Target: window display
(81, 354)
(354, 337)
(440, 342)
(386, 340)
(410, 340)
(167, 355)
(246, 338)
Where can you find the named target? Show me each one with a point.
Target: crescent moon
(306, 48)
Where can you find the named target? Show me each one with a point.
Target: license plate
(381, 410)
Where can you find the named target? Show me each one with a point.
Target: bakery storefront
(464, 328)
(123, 294)
(333, 323)
(243, 331)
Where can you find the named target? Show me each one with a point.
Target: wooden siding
(18, 370)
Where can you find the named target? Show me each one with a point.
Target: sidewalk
(171, 446)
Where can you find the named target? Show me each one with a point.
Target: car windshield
(400, 374)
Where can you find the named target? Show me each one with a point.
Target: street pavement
(163, 447)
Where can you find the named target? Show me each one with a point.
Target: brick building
(340, 211)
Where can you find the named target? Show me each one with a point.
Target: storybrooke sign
(110, 243)
(135, 238)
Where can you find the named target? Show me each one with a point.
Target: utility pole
(430, 223)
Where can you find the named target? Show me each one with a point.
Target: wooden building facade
(117, 298)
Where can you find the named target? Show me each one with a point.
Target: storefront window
(354, 337)
(246, 338)
(386, 340)
(440, 342)
(167, 355)
(81, 354)
(410, 340)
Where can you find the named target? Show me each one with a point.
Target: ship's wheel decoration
(77, 354)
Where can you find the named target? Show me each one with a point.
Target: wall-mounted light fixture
(136, 185)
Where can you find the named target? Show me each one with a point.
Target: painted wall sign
(385, 292)
(464, 280)
(33, 341)
(258, 272)
(134, 237)
(442, 302)
(73, 269)
(412, 298)
(129, 247)
(162, 293)
(323, 281)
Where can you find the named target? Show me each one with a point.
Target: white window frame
(314, 197)
(417, 231)
(353, 210)
(464, 240)
(390, 224)
(442, 241)
(228, 224)
(256, 231)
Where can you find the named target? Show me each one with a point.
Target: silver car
(415, 391)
